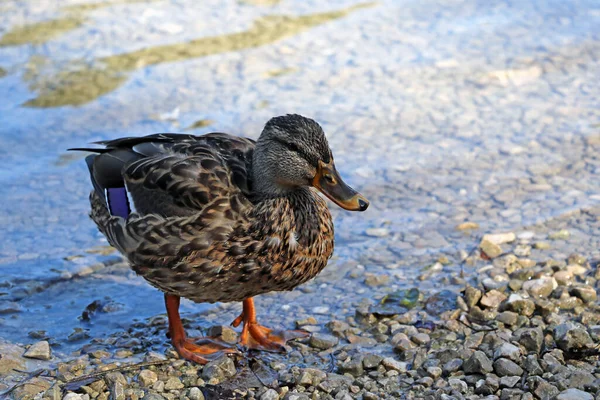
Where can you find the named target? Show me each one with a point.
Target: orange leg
(258, 337)
(200, 350)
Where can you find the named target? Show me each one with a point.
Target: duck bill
(328, 181)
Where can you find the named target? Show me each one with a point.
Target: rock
(452, 365)
(574, 394)
(30, 389)
(563, 234)
(39, 351)
(10, 307)
(478, 363)
(541, 287)
(174, 383)
(581, 379)
(391, 364)
(576, 269)
(458, 385)
(531, 339)
(270, 394)
(373, 280)
(11, 358)
(546, 391)
(493, 298)
(147, 377)
(472, 296)
(377, 232)
(500, 238)
(152, 356)
(371, 361)
(507, 317)
(506, 367)
(542, 245)
(509, 381)
(353, 367)
(323, 341)
(117, 391)
(421, 338)
(219, 369)
(311, 377)
(532, 366)
(490, 249)
(520, 305)
(467, 226)
(434, 372)
(196, 394)
(584, 292)
(73, 396)
(508, 350)
(563, 277)
(571, 336)
(225, 333)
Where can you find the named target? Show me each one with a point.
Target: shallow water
(438, 111)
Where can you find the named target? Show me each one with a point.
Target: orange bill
(329, 182)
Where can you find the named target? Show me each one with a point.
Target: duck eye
(293, 147)
(329, 178)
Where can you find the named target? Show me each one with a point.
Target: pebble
(147, 377)
(492, 299)
(540, 287)
(531, 338)
(219, 369)
(377, 232)
(174, 384)
(505, 367)
(508, 350)
(586, 293)
(391, 364)
(196, 394)
(323, 341)
(500, 238)
(270, 394)
(520, 305)
(570, 336)
(492, 250)
(574, 394)
(39, 350)
(478, 363)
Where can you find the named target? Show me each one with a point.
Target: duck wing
(187, 191)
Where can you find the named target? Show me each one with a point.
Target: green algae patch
(40, 32)
(80, 86)
(2, 72)
(201, 123)
(280, 72)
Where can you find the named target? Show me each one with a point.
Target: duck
(221, 218)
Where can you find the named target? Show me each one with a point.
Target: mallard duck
(221, 218)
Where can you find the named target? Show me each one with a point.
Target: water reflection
(80, 82)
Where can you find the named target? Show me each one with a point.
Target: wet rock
(30, 389)
(505, 367)
(219, 369)
(225, 333)
(270, 394)
(323, 341)
(586, 293)
(147, 377)
(563, 234)
(492, 299)
(421, 338)
(11, 358)
(542, 245)
(452, 365)
(472, 296)
(311, 376)
(10, 307)
(541, 287)
(509, 381)
(440, 302)
(574, 394)
(174, 383)
(500, 238)
(377, 232)
(507, 317)
(563, 277)
(353, 367)
(467, 226)
(571, 336)
(478, 363)
(196, 394)
(39, 350)
(520, 305)
(371, 361)
(376, 280)
(545, 391)
(492, 250)
(532, 366)
(531, 339)
(391, 364)
(508, 350)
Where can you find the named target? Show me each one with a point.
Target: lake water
(439, 112)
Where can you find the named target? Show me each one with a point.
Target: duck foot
(258, 337)
(199, 350)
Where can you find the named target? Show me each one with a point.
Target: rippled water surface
(439, 112)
